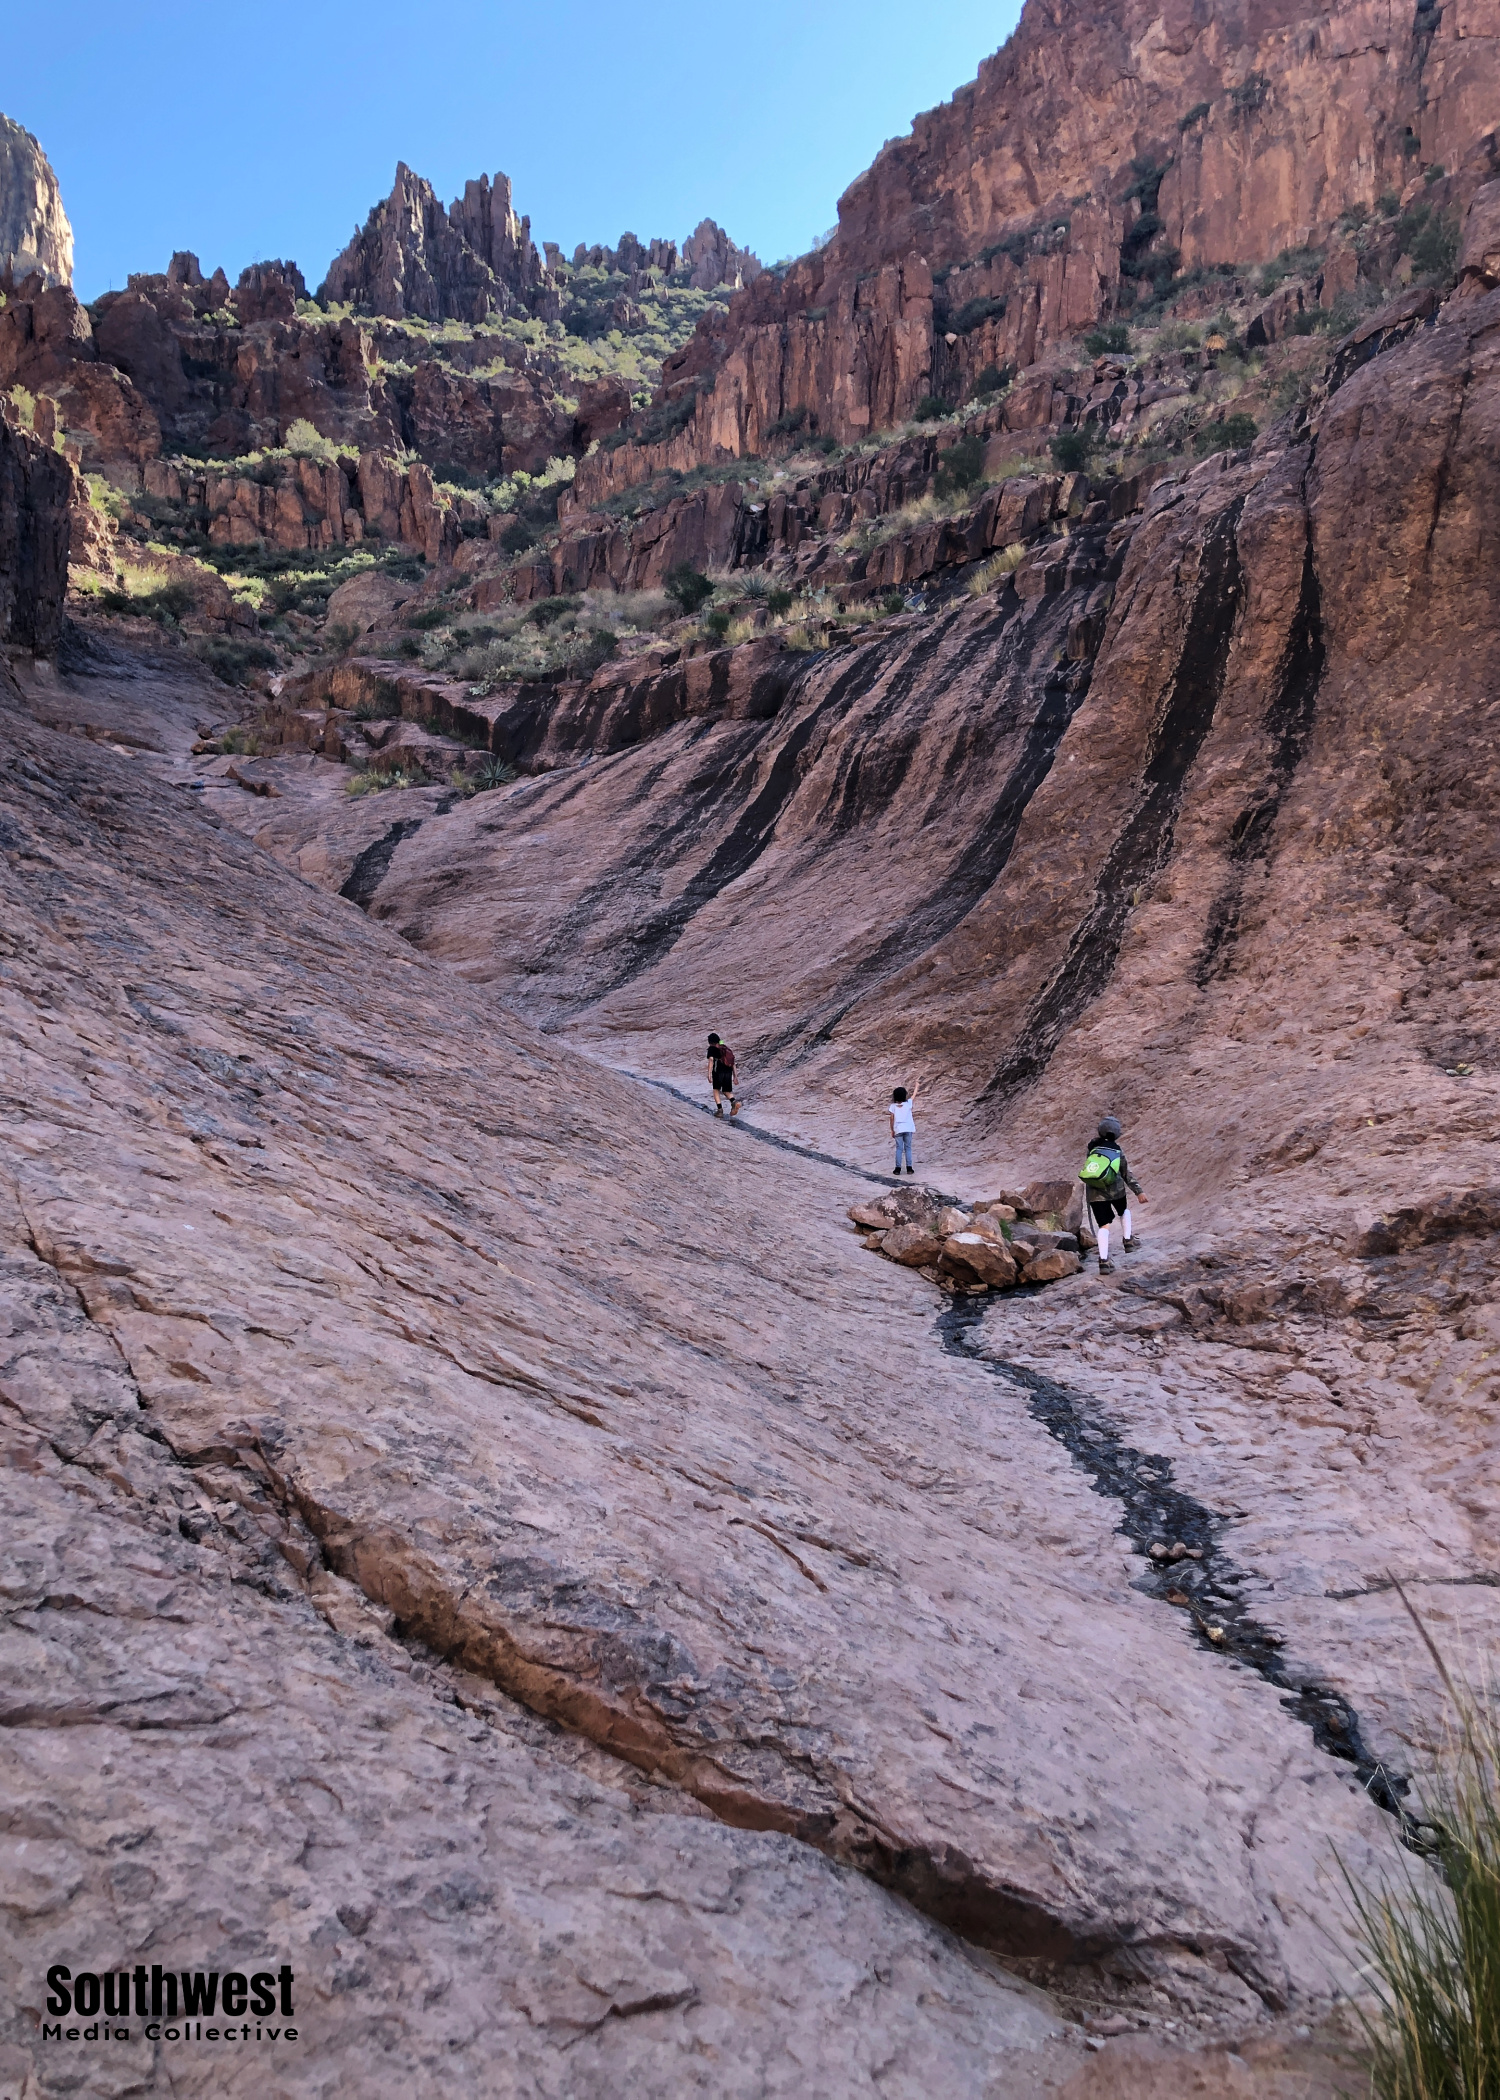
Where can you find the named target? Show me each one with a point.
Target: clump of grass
(999, 566)
(373, 780)
(1432, 1941)
(239, 743)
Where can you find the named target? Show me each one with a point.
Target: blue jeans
(903, 1144)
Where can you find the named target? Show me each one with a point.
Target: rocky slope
(34, 230)
(1187, 817)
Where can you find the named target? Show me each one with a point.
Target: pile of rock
(992, 1245)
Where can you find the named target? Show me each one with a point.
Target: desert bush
(139, 599)
(930, 408)
(974, 313)
(756, 585)
(548, 610)
(1109, 337)
(427, 617)
(778, 602)
(716, 622)
(960, 466)
(1431, 1938)
(893, 602)
(688, 588)
(1070, 450)
(230, 662)
(517, 537)
(304, 441)
(493, 773)
(239, 743)
(787, 425)
(992, 380)
(382, 708)
(1431, 240)
(1228, 434)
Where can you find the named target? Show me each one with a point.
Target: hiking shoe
(1130, 1246)
(1106, 1268)
(719, 1110)
(734, 1108)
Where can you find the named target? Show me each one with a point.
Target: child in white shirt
(903, 1125)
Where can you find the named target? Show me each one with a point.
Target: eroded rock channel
(1187, 1566)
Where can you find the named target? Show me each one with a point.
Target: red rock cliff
(1103, 149)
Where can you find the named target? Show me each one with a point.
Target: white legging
(1103, 1232)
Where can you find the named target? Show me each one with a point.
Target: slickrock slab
(198, 1772)
(616, 1418)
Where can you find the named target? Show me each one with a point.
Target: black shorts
(723, 1079)
(1106, 1207)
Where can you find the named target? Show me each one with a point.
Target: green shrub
(304, 441)
(408, 647)
(1110, 337)
(826, 444)
(757, 585)
(893, 602)
(1230, 434)
(517, 537)
(992, 380)
(1070, 450)
(687, 588)
(787, 425)
(427, 617)
(1388, 204)
(230, 661)
(778, 601)
(383, 708)
(716, 622)
(239, 743)
(960, 466)
(930, 407)
(1431, 240)
(546, 610)
(166, 602)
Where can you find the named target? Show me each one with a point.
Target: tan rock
(912, 1245)
(1048, 1267)
(951, 1220)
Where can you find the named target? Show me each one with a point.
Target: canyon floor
(490, 1537)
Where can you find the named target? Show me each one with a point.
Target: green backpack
(1101, 1172)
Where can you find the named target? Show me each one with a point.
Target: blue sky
(270, 130)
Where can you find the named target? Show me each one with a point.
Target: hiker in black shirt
(721, 1075)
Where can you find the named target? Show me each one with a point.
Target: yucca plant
(1431, 1940)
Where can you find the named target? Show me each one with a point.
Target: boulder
(364, 601)
(969, 1257)
(912, 1245)
(1047, 1268)
(950, 1219)
(988, 1226)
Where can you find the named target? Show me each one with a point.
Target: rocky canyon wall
(1102, 152)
